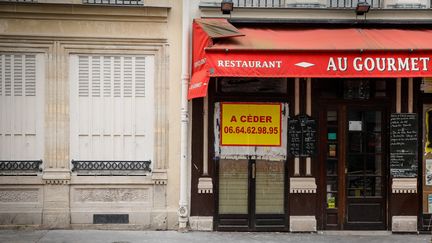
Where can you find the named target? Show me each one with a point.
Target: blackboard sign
(403, 145)
(302, 136)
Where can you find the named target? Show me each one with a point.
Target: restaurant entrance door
(355, 170)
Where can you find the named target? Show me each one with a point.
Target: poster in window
(428, 178)
(429, 203)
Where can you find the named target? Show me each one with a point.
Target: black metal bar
(20, 165)
(114, 2)
(95, 165)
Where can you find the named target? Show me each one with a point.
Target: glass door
(354, 167)
(365, 201)
(251, 195)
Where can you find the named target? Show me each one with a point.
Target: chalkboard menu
(302, 136)
(403, 145)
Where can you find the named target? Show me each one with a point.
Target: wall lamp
(227, 6)
(362, 8)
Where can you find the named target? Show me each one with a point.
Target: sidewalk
(110, 236)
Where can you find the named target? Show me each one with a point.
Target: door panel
(365, 202)
(269, 187)
(233, 187)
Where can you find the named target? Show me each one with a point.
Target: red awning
(307, 52)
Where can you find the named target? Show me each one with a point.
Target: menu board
(302, 136)
(403, 145)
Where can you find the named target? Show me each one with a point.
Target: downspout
(183, 211)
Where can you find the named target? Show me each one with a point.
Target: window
(112, 107)
(21, 107)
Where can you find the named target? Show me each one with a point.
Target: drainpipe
(183, 211)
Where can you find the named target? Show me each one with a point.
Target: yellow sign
(251, 124)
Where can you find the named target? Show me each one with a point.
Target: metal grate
(259, 3)
(111, 167)
(19, 1)
(18, 167)
(115, 2)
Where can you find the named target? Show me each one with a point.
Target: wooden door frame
(340, 106)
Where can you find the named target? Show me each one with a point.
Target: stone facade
(54, 31)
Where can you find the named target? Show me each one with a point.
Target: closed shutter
(112, 109)
(21, 107)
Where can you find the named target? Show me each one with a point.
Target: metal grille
(19, 1)
(18, 167)
(111, 167)
(115, 2)
(352, 3)
(260, 3)
(310, 4)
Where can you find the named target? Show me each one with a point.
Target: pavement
(114, 236)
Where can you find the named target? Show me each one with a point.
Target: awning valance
(227, 51)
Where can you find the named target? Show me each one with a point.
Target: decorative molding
(160, 177)
(111, 195)
(205, 185)
(302, 185)
(404, 185)
(111, 167)
(56, 177)
(19, 195)
(19, 167)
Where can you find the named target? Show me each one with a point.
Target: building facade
(89, 94)
(307, 116)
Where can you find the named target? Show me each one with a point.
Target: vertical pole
(309, 113)
(296, 112)
(410, 95)
(398, 95)
(205, 137)
(183, 210)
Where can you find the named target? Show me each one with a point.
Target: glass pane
(355, 142)
(373, 144)
(253, 85)
(332, 134)
(372, 186)
(269, 182)
(355, 164)
(373, 121)
(331, 200)
(332, 117)
(233, 187)
(332, 185)
(355, 186)
(332, 167)
(373, 165)
(355, 115)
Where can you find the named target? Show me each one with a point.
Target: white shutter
(111, 117)
(21, 107)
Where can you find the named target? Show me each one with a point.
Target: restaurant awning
(222, 50)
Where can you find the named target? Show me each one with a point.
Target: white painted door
(112, 107)
(21, 106)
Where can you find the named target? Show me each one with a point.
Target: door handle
(253, 171)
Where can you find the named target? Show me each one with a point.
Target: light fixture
(227, 6)
(362, 8)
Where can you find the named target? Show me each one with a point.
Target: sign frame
(251, 144)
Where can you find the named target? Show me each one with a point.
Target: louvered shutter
(111, 113)
(21, 106)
